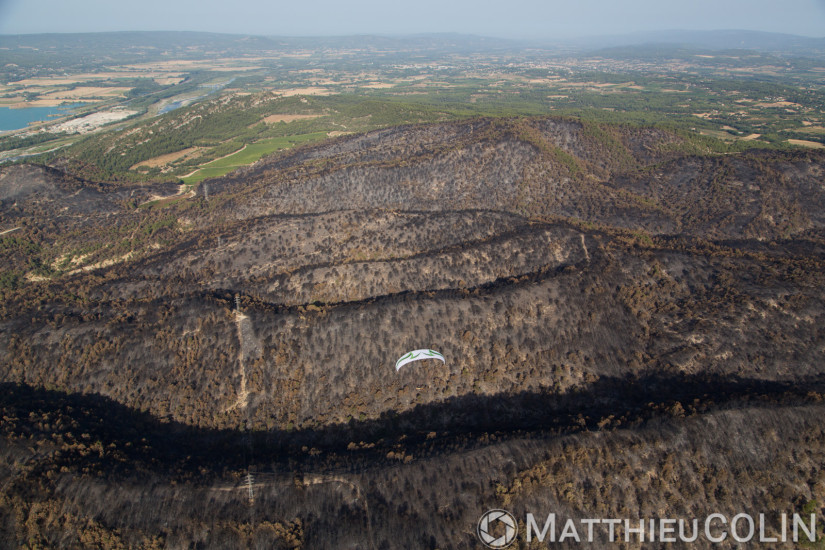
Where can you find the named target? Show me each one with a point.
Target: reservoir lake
(15, 119)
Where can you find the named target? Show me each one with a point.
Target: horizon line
(630, 34)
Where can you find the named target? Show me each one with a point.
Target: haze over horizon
(528, 19)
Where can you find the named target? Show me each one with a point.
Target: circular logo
(497, 529)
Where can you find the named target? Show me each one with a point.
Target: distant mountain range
(81, 51)
(712, 40)
(173, 41)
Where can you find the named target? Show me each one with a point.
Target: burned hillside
(630, 328)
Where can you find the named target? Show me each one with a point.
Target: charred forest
(632, 327)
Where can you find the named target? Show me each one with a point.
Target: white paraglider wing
(418, 355)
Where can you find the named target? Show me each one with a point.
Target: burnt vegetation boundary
(96, 435)
(84, 286)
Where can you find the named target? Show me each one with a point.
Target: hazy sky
(505, 18)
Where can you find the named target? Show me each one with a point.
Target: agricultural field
(249, 154)
(262, 96)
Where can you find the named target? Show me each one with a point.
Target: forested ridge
(631, 326)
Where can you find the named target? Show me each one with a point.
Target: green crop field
(249, 154)
(769, 101)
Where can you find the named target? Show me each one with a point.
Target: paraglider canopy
(418, 355)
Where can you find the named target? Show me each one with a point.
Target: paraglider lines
(418, 355)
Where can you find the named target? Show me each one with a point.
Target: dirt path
(223, 157)
(201, 167)
(9, 230)
(243, 393)
(181, 193)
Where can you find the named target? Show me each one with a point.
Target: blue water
(15, 119)
(184, 102)
(174, 105)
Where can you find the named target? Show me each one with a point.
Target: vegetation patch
(250, 154)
